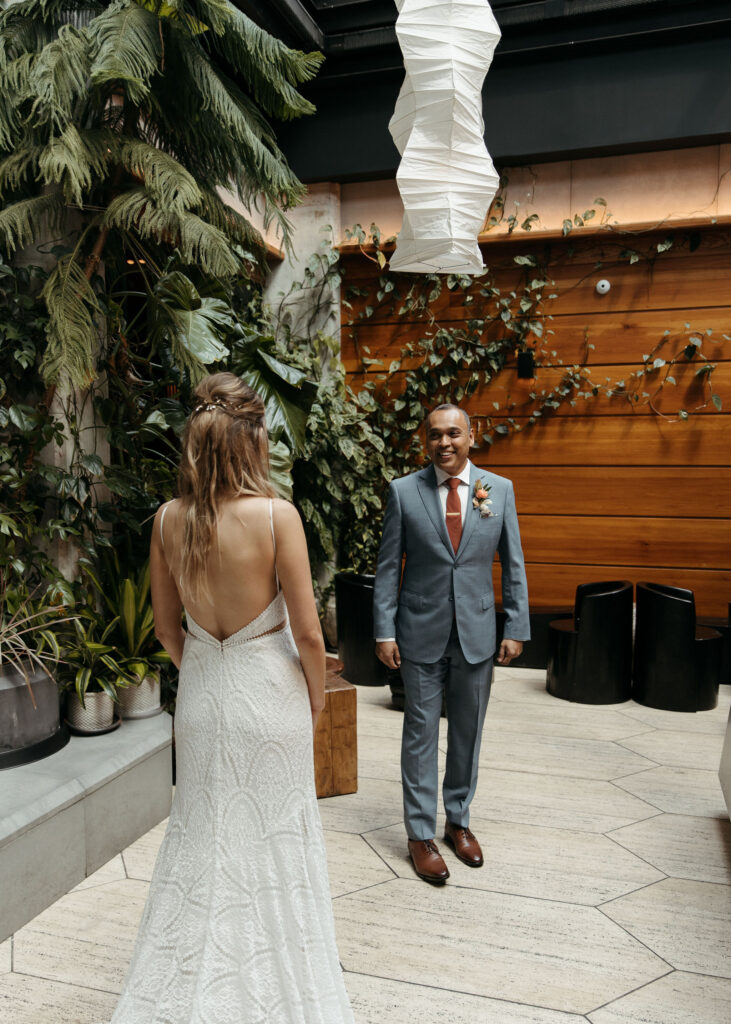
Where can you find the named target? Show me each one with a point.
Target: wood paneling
(690, 391)
(603, 491)
(617, 337)
(695, 492)
(636, 540)
(551, 586)
(608, 440)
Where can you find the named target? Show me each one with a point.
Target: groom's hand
(509, 649)
(387, 651)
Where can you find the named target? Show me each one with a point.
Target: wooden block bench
(336, 737)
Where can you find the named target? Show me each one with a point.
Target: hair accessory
(217, 403)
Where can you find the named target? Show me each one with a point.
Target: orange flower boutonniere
(481, 499)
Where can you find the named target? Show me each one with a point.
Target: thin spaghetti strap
(274, 542)
(162, 520)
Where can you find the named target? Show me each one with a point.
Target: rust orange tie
(454, 511)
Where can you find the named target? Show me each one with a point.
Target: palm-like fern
(136, 116)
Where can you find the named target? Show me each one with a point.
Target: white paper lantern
(446, 177)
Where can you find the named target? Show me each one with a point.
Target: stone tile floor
(605, 895)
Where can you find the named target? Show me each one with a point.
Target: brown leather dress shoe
(464, 845)
(427, 861)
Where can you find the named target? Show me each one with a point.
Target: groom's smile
(448, 440)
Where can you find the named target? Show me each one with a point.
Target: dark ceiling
(569, 78)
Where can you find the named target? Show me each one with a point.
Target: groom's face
(448, 440)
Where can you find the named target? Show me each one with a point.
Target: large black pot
(356, 647)
(29, 724)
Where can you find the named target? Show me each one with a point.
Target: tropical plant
(127, 599)
(28, 640)
(122, 125)
(90, 661)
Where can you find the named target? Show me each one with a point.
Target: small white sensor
(603, 286)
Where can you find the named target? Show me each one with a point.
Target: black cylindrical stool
(677, 664)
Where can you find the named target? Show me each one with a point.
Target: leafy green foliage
(121, 126)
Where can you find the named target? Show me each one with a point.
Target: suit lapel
(427, 484)
(471, 515)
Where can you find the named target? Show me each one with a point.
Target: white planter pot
(142, 701)
(96, 716)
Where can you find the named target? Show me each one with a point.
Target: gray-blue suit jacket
(438, 585)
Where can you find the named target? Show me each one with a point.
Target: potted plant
(30, 726)
(92, 674)
(133, 636)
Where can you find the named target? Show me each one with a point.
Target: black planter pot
(356, 647)
(28, 731)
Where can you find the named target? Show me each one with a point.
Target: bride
(238, 925)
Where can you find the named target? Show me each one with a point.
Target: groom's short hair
(447, 405)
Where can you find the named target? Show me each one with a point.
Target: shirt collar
(464, 476)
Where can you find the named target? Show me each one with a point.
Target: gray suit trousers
(466, 689)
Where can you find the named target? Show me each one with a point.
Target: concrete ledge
(65, 816)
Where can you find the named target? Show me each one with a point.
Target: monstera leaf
(287, 392)
(194, 326)
(280, 468)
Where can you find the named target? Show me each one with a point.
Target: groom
(437, 624)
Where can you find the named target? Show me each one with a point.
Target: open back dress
(238, 925)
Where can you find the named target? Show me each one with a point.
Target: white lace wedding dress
(238, 925)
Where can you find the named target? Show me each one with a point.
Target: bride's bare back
(240, 567)
(241, 579)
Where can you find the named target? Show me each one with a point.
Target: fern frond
(75, 162)
(125, 47)
(264, 161)
(233, 224)
(167, 180)
(207, 245)
(136, 210)
(19, 167)
(271, 69)
(59, 77)
(14, 90)
(216, 14)
(199, 242)
(72, 334)
(22, 222)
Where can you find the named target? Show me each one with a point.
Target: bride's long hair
(225, 454)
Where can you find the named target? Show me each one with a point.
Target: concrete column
(315, 229)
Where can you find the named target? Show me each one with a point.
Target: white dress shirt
(464, 497)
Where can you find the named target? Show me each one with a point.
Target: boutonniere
(481, 499)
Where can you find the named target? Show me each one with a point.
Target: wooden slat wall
(604, 491)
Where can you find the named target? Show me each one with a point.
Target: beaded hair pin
(217, 403)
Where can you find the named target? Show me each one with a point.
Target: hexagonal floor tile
(352, 864)
(25, 1000)
(560, 755)
(523, 950)
(139, 858)
(112, 871)
(525, 860)
(677, 749)
(376, 804)
(677, 998)
(376, 1000)
(558, 802)
(560, 718)
(683, 846)
(680, 790)
(97, 949)
(687, 923)
(678, 721)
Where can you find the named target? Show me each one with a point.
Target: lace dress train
(238, 925)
